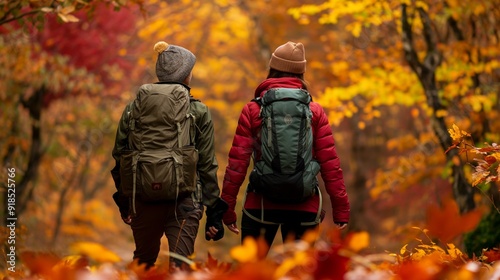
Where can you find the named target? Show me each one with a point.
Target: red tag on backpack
(156, 186)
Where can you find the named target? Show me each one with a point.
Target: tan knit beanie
(290, 57)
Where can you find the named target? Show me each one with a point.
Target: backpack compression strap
(316, 221)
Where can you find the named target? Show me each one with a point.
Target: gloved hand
(214, 219)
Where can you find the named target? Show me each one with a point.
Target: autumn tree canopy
(437, 58)
(393, 77)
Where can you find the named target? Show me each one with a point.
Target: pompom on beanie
(289, 57)
(174, 63)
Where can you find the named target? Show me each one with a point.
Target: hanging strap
(179, 131)
(316, 221)
(135, 159)
(261, 220)
(318, 214)
(192, 129)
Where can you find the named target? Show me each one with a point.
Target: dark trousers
(179, 221)
(289, 221)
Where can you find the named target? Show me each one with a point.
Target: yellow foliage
(402, 143)
(359, 241)
(457, 134)
(224, 3)
(403, 249)
(355, 28)
(247, 252)
(454, 252)
(299, 258)
(441, 113)
(218, 105)
(82, 231)
(422, 4)
(340, 67)
(95, 251)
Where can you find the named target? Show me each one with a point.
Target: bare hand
(233, 228)
(212, 231)
(127, 220)
(341, 227)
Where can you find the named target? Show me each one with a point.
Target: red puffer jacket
(246, 140)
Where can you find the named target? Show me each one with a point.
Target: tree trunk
(426, 73)
(77, 176)
(358, 222)
(34, 105)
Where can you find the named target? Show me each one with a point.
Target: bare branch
(456, 30)
(7, 20)
(410, 53)
(433, 58)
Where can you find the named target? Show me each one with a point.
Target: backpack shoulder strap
(257, 100)
(192, 99)
(192, 126)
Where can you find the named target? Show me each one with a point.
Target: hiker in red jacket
(261, 216)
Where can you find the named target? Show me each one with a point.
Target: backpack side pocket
(128, 165)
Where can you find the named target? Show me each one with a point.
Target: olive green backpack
(160, 164)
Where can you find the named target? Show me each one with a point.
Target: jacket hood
(286, 82)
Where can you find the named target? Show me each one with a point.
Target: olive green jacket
(204, 142)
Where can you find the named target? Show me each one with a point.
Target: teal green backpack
(286, 172)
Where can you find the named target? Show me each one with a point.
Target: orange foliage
(49, 266)
(330, 257)
(446, 223)
(487, 166)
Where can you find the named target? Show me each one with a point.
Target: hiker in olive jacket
(179, 219)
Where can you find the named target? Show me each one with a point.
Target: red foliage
(39, 263)
(94, 41)
(331, 265)
(492, 255)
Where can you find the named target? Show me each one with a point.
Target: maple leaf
(479, 175)
(39, 263)
(69, 267)
(446, 223)
(490, 159)
(213, 265)
(50, 266)
(457, 134)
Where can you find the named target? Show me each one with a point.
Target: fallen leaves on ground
(328, 258)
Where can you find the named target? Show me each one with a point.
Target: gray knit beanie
(174, 63)
(289, 57)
